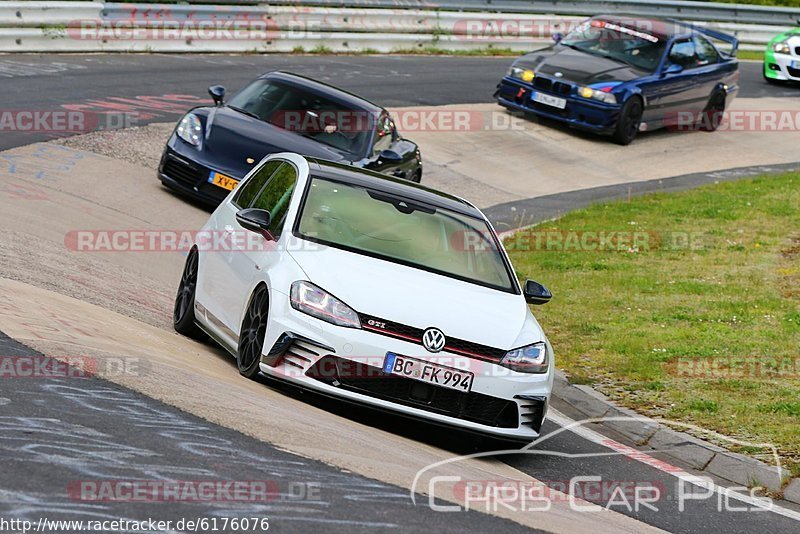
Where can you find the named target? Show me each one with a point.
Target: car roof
(662, 28)
(341, 96)
(394, 186)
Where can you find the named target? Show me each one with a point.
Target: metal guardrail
(41, 26)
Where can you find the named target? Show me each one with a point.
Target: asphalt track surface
(35, 482)
(108, 82)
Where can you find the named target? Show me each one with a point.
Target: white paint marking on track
(563, 421)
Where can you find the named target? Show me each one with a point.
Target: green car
(782, 58)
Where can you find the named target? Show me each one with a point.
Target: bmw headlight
(595, 94)
(528, 359)
(190, 130)
(781, 48)
(316, 302)
(526, 75)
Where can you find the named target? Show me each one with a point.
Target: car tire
(252, 333)
(417, 176)
(712, 113)
(630, 118)
(183, 318)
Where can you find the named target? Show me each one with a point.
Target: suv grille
(414, 335)
(372, 381)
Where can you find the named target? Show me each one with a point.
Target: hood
(420, 299)
(579, 67)
(232, 137)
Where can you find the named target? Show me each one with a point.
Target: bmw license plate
(549, 100)
(225, 182)
(432, 373)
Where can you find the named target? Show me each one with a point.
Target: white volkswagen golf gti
(370, 289)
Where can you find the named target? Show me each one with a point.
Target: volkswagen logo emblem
(433, 339)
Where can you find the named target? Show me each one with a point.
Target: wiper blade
(245, 112)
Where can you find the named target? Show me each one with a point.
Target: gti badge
(433, 339)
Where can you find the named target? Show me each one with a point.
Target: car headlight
(526, 75)
(316, 302)
(528, 359)
(781, 48)
(190, 130)
(594, 94)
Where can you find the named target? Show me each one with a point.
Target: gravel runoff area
(140, 145)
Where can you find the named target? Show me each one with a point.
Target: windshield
(388, 227)
(620, 43)
(306, 114)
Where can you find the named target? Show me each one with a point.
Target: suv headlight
(190, 129)
(316, 302)
(594, 94)
(781, 48)
(528, 359)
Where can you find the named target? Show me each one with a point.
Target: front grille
(372, 381)
(182, 172)
(554, 86)
(414, 335)
(797, 50)
(794, 73)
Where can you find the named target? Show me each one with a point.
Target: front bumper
(782, 67)
(184, 174)
(347, 363)
(579, 113)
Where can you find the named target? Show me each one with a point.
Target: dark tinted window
(683, 53)
(247, 191)
(275, 196)
(706, 53)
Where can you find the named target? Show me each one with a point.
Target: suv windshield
(307, 114)
(376, 224)
(615, 41)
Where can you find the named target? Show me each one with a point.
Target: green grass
(698, 322)
(757, 55)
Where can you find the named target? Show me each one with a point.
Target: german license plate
(225, 182)
(432, 373)
(795, 64)
(549, 100)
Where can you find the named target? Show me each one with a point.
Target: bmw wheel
(630, 118)
(712, 114)
(251, 337)
(183, 314)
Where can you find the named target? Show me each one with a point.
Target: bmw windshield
(637, 48)
(307, 114)
(375, 224)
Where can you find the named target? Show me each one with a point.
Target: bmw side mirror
(255, 220)
(536, 293)
(217, 93)
(674, 68)
(557, 36)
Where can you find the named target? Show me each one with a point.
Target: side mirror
(390, 155)
(255, 220)
(557, 36)
(536, 293)
(674, 68)
(217, 93)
